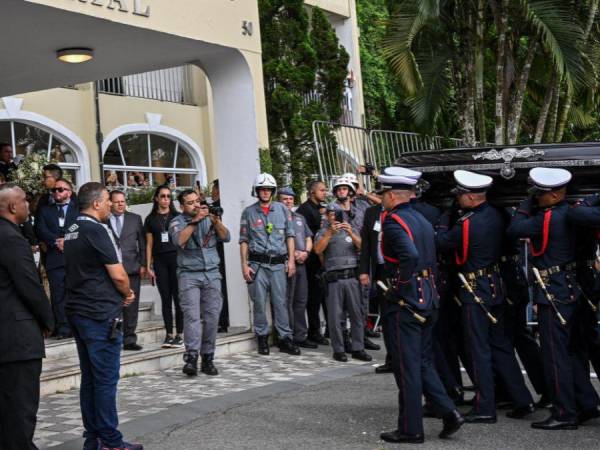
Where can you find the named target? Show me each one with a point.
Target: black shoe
(190, 367)
(554, 424)
(397, 437)
(319, 339)
(384, 368)
(135, 347)
(452, 423)
(521, 411)
(306, 343)
(361, 355)
(347, 341)
(544, 402)
(371, 334)
(370, 345)
(222, 329)
(263, 345)
(340, 356)
(207, 365)
(177, 342)
(287, 346)
(168, 342)
(588, 414)
(473, 417)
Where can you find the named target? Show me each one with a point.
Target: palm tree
(447, 53)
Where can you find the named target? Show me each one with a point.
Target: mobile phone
(339, 216)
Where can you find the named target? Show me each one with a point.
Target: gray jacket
(341, 253)
(267, 234)
(200, 251)
(132, 242)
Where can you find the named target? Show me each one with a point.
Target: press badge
(164, 236)
(377, 226)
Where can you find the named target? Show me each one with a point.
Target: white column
(236, 143)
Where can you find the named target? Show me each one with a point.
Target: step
(148, 332)
(62, 374)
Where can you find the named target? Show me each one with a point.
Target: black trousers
(130, 313)
(316, 296)
(56, 279)
(19, 402)
(165, 269)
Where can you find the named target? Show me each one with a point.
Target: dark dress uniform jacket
(24, 307)
(408, 253)
(477, 242)
(369, 241)
(552, 244)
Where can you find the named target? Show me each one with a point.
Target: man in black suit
(6, 164)
(50, 226)
(50, 174)
(25, 317)
(371, 265)
(129, 231)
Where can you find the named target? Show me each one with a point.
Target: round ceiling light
(75, 55)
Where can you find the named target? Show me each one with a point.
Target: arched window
(144, 159)
(26, 139)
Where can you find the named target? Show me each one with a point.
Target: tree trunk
(566, 107)
(541, 124)
(514, 116)
(553, 114)
(479, 71)
(501, 21)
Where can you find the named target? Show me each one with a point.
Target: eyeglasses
(60, 190)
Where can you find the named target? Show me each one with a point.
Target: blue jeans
(99, 360)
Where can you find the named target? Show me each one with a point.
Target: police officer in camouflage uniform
(196, 233)
(267, 253)
(298, 284)
(338, 244)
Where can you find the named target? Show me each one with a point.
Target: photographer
(195, 233)
(97, 290)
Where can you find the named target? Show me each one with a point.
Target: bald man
(25, 318)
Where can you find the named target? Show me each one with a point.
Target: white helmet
(343, 181)
(264, 180)
(350, 177)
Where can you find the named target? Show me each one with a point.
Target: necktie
(61, 211)
(119, 224)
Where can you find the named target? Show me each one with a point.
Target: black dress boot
(452, 422)
(190, 367)
(207, 365)
(397, 437)
(263, 345)
(287, 346)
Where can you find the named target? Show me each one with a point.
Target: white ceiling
(30, 35)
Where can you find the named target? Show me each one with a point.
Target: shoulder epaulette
(465, 217)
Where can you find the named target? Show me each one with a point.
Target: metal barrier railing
(170, 85)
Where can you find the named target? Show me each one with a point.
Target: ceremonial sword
(403, 304)
(549, 297)
(468, 287)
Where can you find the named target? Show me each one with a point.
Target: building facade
(173, 94)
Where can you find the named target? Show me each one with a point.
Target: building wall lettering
(135, 6)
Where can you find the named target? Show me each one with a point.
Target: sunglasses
(60, 190)
(164, 196)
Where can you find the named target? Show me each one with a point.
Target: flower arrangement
(28, 175)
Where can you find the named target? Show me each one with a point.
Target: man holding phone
(97, 289)
(338, 244)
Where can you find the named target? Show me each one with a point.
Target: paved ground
(279, 402)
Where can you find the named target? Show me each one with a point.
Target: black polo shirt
(310, 211)
(89, 246)
(157, 224)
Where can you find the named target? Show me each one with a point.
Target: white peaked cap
(548, 179)
(402, 172)
(471, 182)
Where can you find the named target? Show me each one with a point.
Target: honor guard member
(196, 233)
(338, 245)
(543, 218)
(408, 248)
(587, 215)
(267, 249)
(477, 241)
(298, 284)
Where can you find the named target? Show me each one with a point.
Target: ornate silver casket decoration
(507, 155)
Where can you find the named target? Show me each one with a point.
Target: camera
(215, 210)
(369, 169)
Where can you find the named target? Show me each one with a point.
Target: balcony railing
(168, 85)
